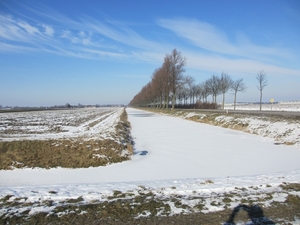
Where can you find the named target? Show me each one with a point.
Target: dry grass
(73, 153)
(125, 207)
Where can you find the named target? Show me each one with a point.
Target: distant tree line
(66, 106)
(170, 88)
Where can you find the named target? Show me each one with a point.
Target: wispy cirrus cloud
(237, 66)
(21, 32)
(208, 37)
(105, 27)
(120, 33)
(105, 38)
(32, 30)
(9, 29)
(213, 51)
(201, 34)
(85, 37)
(48, 30)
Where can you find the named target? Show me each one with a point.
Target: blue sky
(55, 52)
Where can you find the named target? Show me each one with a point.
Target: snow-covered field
(293, 106)
(197, 164)
(89, 123)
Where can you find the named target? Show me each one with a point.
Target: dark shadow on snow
(255, 214)
(140, 152)
(141, 114)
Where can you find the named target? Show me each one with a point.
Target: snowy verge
(167, 198)
(283, 130)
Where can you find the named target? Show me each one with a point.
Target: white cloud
(21, 31)
(79, 38)
(94, 39)
(10, 29)
(237, 67)
(28, 28)
(121, 33)
(82, 34)
(48, 30)
(107, 38)
(65, 34)
(86, 41)
(201, 34)
(212, 39)
(13, 48)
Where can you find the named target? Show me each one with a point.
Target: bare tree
(166, 67)
(147, 94)
(156, 88)
(225, 85)
(185, 94)
(189, 84)
(205, 90)
(159, 81)
(194, 91)
(261, 77)
(238, 86)
(197, 91)
(214, 87)
(177, 63)
(180, 94)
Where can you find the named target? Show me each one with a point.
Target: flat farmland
(64, 138)
(183, 171)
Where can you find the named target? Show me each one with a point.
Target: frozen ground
(87, 123)
(293, 106)
(281, 129)
(174, 157)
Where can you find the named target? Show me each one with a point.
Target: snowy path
(179, 148)
(174, 149)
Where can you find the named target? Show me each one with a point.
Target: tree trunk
(216, 100)
(260, 100)
(173, 101)
(223, 102)
(234, 100)
(167, 102)
(161, 102)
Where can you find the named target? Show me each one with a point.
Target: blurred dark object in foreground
(255, 213)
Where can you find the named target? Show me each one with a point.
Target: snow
(282, 130)
(291, 106)
(173, 157)
(88, 123)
